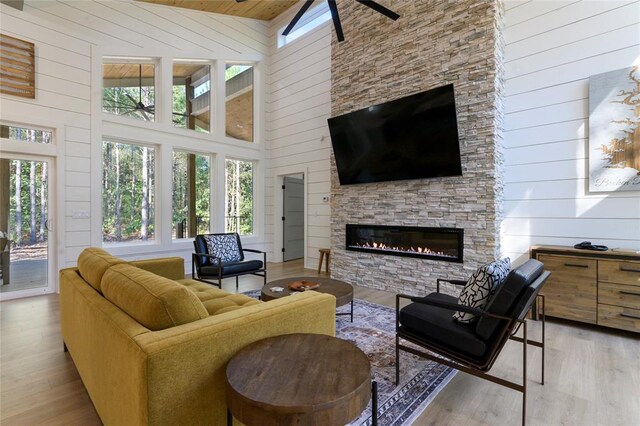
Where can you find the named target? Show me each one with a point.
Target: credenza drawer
(571, 290)
(619, 295)
(619, 317)
(566, 268)
(621, 272)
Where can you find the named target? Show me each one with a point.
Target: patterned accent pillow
(481, 286)
(224, 246)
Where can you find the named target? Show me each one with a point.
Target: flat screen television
(413, 137)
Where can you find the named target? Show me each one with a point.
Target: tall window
(191, 96)
(191, 194)
(239, 101)
(128, 192)
(129, 90)
(239, 197)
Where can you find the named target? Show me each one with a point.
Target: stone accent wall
(432, 44)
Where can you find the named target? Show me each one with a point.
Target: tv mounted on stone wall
(414, 137)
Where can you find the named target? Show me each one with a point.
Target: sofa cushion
(217, 301)
(481, 286)
(232, 268)
(437, 324)
(93, 262)
(153, 301)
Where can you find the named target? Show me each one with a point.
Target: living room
(521, 75)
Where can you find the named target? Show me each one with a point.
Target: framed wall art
(614, 131)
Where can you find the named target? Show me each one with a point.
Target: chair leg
(328, 261)
(236, 283)
(320, 262)
(543, 341)
(524, 373)
(397, 361)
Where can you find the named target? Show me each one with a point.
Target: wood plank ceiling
(256, 9)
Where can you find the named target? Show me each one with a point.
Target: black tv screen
(413, 137)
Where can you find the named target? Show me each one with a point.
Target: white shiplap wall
(552, 47)
(66, 33)
(298, 95)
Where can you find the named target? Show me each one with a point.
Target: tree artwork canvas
(614, 131)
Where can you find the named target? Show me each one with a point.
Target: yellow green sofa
(152, 347)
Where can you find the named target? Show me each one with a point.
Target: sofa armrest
(186, 364)
(168, 267)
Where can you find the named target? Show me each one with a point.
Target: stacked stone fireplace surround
(432, 44)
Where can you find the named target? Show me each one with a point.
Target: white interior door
(293, 218)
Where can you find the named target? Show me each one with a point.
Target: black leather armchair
(219, 256)
(473, 347)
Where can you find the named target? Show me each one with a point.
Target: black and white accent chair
(473, 347)
(219, 256)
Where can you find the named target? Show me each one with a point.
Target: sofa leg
(64, 345)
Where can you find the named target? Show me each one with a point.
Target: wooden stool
(324, 251)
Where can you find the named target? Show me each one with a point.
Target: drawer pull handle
(630, 293)
(630, 316)
(576, 265)
(625, 269)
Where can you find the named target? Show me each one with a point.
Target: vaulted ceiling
(256, 9)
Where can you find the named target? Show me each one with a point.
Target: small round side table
(298, 379)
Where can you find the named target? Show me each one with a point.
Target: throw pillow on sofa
(155, 302)
(481, 286)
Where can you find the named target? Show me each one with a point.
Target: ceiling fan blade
(144, 114)
(296, 18)
(135, 103)
(379, 8)
(336, 19)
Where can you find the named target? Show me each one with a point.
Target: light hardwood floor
(593, 374)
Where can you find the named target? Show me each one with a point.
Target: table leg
(229, 418)
(352, 311)
(374, 403)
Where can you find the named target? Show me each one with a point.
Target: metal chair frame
(445, 356)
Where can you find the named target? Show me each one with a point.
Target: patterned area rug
(373, 331)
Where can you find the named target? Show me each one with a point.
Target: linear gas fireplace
(426, 243)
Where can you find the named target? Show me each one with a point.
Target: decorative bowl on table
(303, 285)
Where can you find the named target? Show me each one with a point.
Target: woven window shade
(17, 67)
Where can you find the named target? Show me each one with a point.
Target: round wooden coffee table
(298, 379)
(341, 290)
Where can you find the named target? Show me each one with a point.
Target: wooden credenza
(597, 287)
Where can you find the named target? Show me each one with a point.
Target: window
(239, 197)
(24, 134)
(129, 90)
(128, 192)
(239, 101)
(191, 96)
(309, 21)
(191, 194)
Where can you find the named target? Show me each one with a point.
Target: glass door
(25, 220)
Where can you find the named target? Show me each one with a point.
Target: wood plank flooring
(593, 374)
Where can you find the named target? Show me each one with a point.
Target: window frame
(156, 86)
(254, 225)
(213, 95)
(212, 189)
(156, 199)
